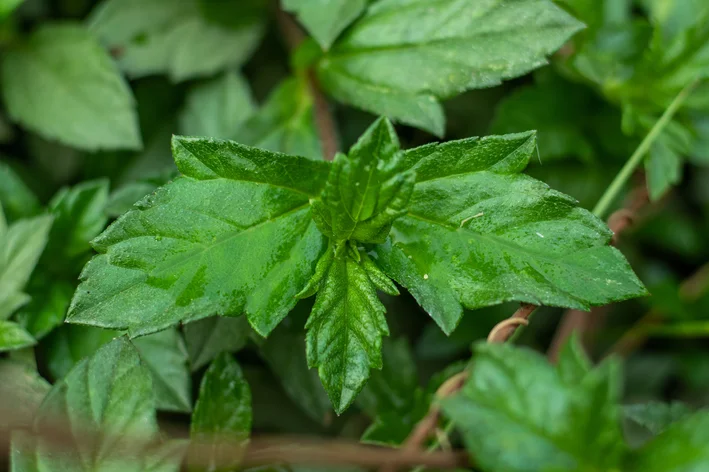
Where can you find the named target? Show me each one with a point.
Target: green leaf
(558, 110)
(67, 346)
(393, 397)
(345, 327)
(325, 19)
(13, 336)
(444, 49)
(285, 123)
(16, 198)
(366, 190)
(164, 353)
(21, 244)
(49, 303)
(110, 392)
(180, 39)
(208, 337)
(656, 416)
(79, 217)
(217, 108)
(573, 365)
(285, 354)
(23, 389)
(479, 233)
(223, 409)
(232, 235)
(64, 86)
(681, 448)
(122, 199)
(7, 7)
(515, 401)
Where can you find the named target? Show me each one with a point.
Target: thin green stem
(622, 178)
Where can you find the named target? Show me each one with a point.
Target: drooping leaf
(110, 392)
(223, 408)
(64, 86)
(325, 19)
(515, 401)
(16, 198)
(366, 190)
(21, 245)
(232, 235)
(217, 108)
(402, 56)
(180, 39)
(680, 448)
(285, 353)
(345, 327)
(164, 353)
(23, 390)
(478, 233)
(208, 337)
(285, 123)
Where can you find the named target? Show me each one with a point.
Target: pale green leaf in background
(403, 56)
(682, 447)
(208, 337)
(285, 122)
(63, 85)
(223, 408)
(175, 38)
(13, 336)
(21, 245)
(164, 353)
(109, 392)
(21, 389)
(217, 108)
(16, 198)
(325, 19)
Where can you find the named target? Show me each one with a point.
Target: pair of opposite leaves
(245, 230)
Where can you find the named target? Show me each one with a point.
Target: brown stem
(324, 121)
(224, 452)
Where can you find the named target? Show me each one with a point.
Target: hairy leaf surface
(346, 326)
(232, 235)
(479, 233)
(366, 190)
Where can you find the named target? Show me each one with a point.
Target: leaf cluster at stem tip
(248, 231)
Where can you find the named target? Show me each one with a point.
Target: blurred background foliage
(221, 68)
